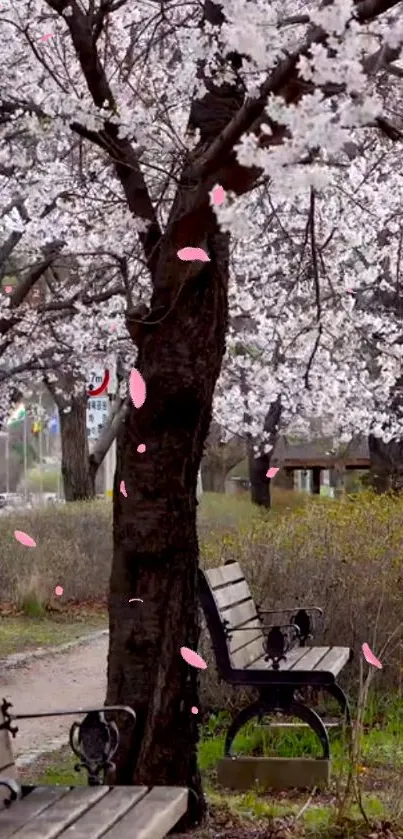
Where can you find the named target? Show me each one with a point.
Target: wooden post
(316, 480)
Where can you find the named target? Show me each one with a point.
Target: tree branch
(23, 288)
(278, 82)
(124, 156)
(108, 433)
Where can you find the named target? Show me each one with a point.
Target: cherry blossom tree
(155, 106)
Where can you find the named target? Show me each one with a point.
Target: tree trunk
(386, 471)
(316, 480)
(78, 471)
(213, 477)
(258, 466)
(155, 538)
(77, 474)
(259, 484)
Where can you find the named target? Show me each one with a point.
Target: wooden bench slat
(335, 659)
(229, 596)
(61, 814)
(7, 764)
(6, 755)
(6, 752)
(241, 613)
(105, 813)
(242, 638)
(21, 812)
(154, 816)
(312, 659)
(309, 660)
(246, 656)
(292, 659)
(224, 574)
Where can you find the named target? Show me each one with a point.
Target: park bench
(92, 812)
(275, 660)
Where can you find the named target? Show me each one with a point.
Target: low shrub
(343, 555)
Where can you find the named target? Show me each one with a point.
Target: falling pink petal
(45, 37)
(132, 599)
(113, 327)
(26, 540)
(123, 488)
(218, 195)
(272, 472)
(141, 448)
(370, 657)
(59, 591)
(137, 387)
(8, 289)
(193, 658)
(187, 254)
(194, 710)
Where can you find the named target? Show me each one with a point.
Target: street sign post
(97, 415)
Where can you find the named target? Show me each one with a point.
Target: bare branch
(109, 432)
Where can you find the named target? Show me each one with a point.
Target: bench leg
(336, 691)
(292, 708)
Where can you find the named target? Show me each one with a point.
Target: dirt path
(75, 678)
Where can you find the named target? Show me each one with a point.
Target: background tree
(250, 101)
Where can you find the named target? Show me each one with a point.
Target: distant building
(318, 466)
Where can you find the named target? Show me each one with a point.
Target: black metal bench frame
(276, 687)
(94, 741)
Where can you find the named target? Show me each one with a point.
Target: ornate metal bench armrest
(95, 741)
(301, 618)
(288, 611)
(13, 788)
(277, 643)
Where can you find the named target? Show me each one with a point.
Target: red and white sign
(98, 382)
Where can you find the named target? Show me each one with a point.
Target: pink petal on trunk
(59, 591)
(272, 472)
(193, 658)
(137, 388)
(123, 489)
(26, 540)
(187, 254)
(370, 657)
(218, 195)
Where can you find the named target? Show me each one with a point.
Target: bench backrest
(226, 597)
(7, 764)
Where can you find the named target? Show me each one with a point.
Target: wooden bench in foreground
(275, 660)
(61, 812)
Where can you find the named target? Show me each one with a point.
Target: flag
(53, 425)
(18, 415)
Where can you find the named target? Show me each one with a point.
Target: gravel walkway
(74, 678)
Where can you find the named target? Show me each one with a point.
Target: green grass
(54, 768)
(19, 634)
(382, 741)
(382, 750)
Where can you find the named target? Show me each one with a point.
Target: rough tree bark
(219, 458)
(78, 474)
(181, 345)
(386, 471)
(155, 537)
(259, 465)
